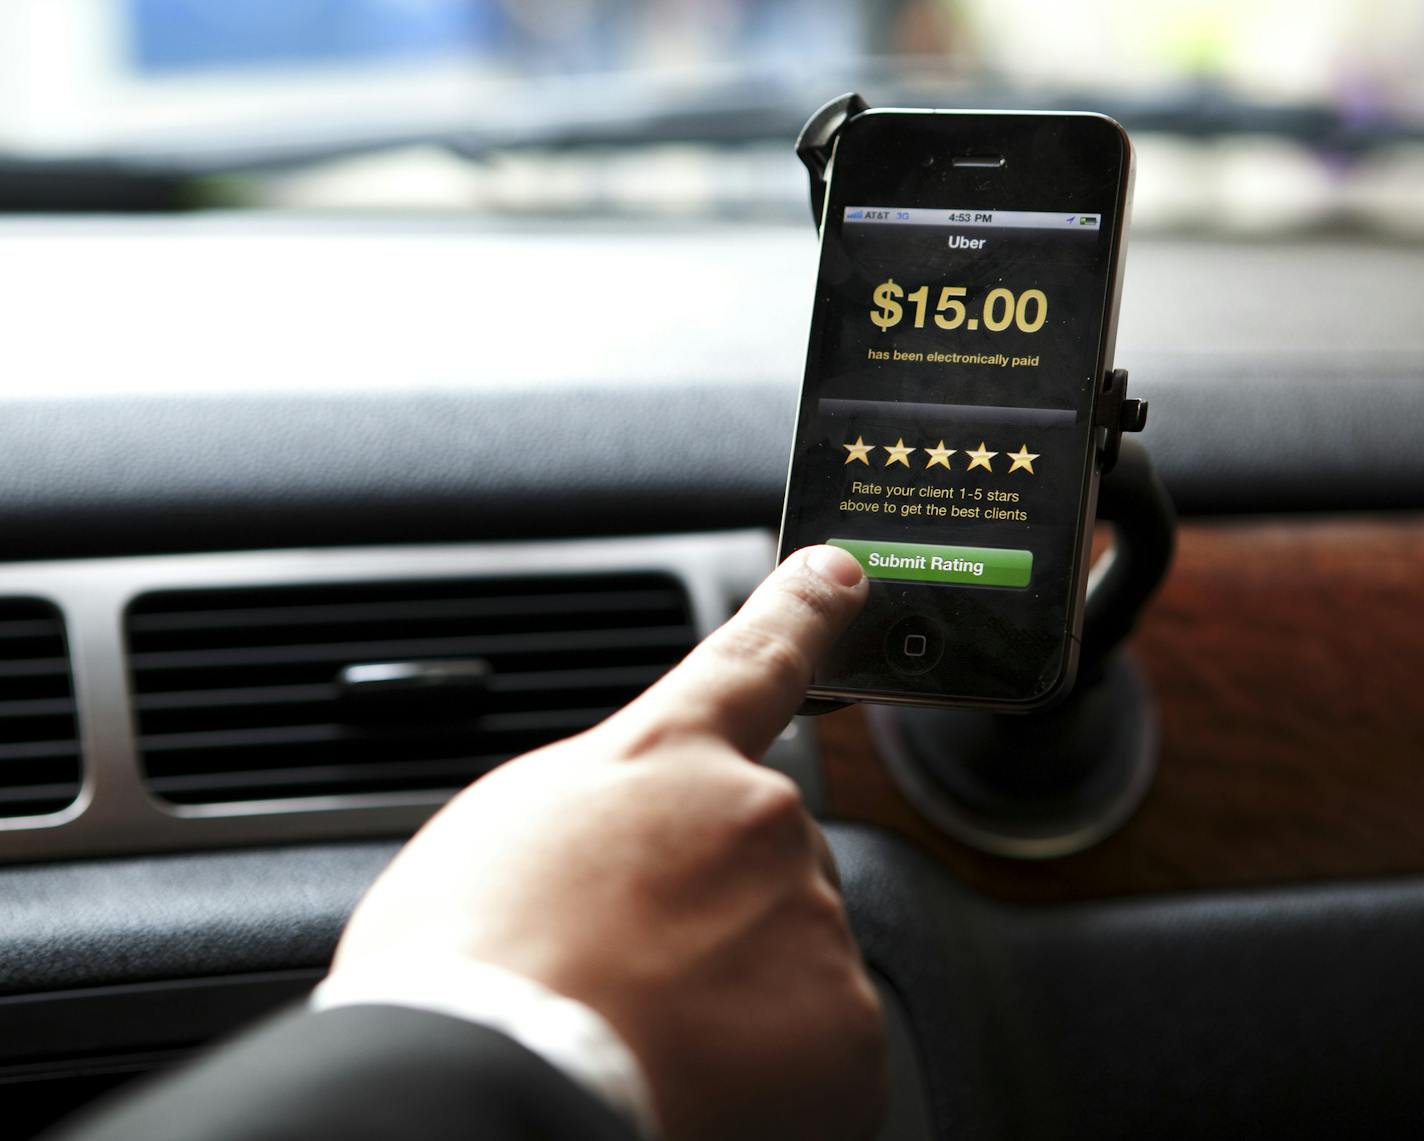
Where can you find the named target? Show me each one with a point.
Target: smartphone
(964, 320)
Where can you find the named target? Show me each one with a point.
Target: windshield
(1254, 115)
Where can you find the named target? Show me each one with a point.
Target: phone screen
(945, 432)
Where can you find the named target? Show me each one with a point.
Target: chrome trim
(114, 813)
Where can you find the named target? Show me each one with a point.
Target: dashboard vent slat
(237, 692)
(30, 629)
(260, 656)
(402, 612)
(37, 750)
(24, 668)
(43, 707)
(40, 766)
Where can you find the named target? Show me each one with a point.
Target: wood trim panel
(1287, 660)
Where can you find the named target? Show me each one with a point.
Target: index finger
(744, 682)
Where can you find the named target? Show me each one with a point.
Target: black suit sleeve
(359, 1073)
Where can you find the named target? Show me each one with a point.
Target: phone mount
(1043, 784)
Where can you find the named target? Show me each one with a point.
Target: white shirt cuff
(567, 1034)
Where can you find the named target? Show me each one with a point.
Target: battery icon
(1087, 220)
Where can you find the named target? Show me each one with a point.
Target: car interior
(387, 390)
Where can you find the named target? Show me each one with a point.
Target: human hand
(649, 870)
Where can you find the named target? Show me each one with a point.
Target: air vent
(256, 694)
(39, 738)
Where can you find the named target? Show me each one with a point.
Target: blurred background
(1253, 117)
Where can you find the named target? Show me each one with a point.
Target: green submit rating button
(958, 566)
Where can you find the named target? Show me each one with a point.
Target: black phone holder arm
(817, 142)
(1078, 769)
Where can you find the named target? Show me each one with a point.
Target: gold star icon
(939, 456)
(899, 453)
(1023, 458)
(978, 457)
(858, 451)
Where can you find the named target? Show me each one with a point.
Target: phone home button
(914, 645)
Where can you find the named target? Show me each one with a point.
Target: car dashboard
(243, 457)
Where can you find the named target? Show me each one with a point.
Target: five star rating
(899, 453)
